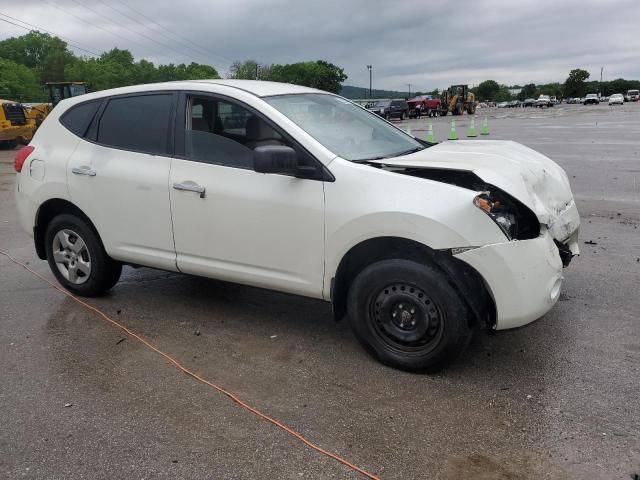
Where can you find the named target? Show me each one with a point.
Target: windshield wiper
(400, 154)
(407, 152)
(368, 160)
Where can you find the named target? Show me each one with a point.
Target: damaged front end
(528, 197)
(515, 219)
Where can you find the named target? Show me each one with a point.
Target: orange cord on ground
(197, 377)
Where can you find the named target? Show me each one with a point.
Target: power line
(120, 37)
(135, 20)
(165, 29)
(137, 33)
(69, 42)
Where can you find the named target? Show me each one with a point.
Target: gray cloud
(428, 44)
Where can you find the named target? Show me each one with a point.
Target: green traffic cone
(430, 133)
(453, 135)
(485, 127)
(472, 128)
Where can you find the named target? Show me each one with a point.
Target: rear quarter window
(78, 118)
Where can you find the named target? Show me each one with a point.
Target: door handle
(190, 187)
(84, 170)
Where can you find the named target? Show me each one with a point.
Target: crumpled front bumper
(523, 276)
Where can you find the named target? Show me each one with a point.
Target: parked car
(503, 105)
(529, 102)
(632, 96)
(544, 101)
(423, 105)
(616, 99)
(416, 244)
(514, 104)
(391, 109)
(591, 98)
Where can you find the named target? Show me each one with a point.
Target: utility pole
(369, 67)
(409, 89)
(600, 86)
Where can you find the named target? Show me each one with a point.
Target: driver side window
(225, 133)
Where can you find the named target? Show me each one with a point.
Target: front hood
(535, 180)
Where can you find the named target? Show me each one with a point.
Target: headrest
(257, 129)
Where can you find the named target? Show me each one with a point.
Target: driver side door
(231, 222)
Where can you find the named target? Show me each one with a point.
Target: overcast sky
(426, 43)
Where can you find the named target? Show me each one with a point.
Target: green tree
(146, 72)
(487, 90)
(503, 94)
(19, 83)
(528, 91)
(193, 71)
(114, 68)
(574, 86)
(198, 71)
(319, 74)
(249, 70)
(48, 56)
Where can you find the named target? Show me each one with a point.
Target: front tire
(77, 258)
(408, 316)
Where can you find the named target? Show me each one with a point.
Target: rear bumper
(524, 277)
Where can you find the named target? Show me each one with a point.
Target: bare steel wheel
(408, 315)
(77, 257)
(71, 256)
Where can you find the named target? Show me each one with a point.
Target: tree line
(29, 61)
(576, 85)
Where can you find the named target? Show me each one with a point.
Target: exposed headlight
(504, 218)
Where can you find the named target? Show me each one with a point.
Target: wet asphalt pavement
(557, 399)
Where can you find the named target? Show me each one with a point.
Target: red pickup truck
(423, 105)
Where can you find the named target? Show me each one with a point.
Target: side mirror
(275, 159)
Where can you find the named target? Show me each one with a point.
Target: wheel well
(47, 211)
(462, 277)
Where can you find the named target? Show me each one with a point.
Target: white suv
(301, 191)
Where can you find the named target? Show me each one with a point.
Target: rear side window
(139, 123)
(78, 118)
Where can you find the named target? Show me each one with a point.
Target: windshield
(382, 103)
(344, 128)
(633, 92)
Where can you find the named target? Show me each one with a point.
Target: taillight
(21, 156)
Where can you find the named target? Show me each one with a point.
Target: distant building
(515, 91)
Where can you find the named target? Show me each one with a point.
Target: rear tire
(408, 316)
(77, 257)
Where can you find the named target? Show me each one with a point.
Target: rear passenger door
(118, 175)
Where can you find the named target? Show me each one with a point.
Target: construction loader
(458, 99)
